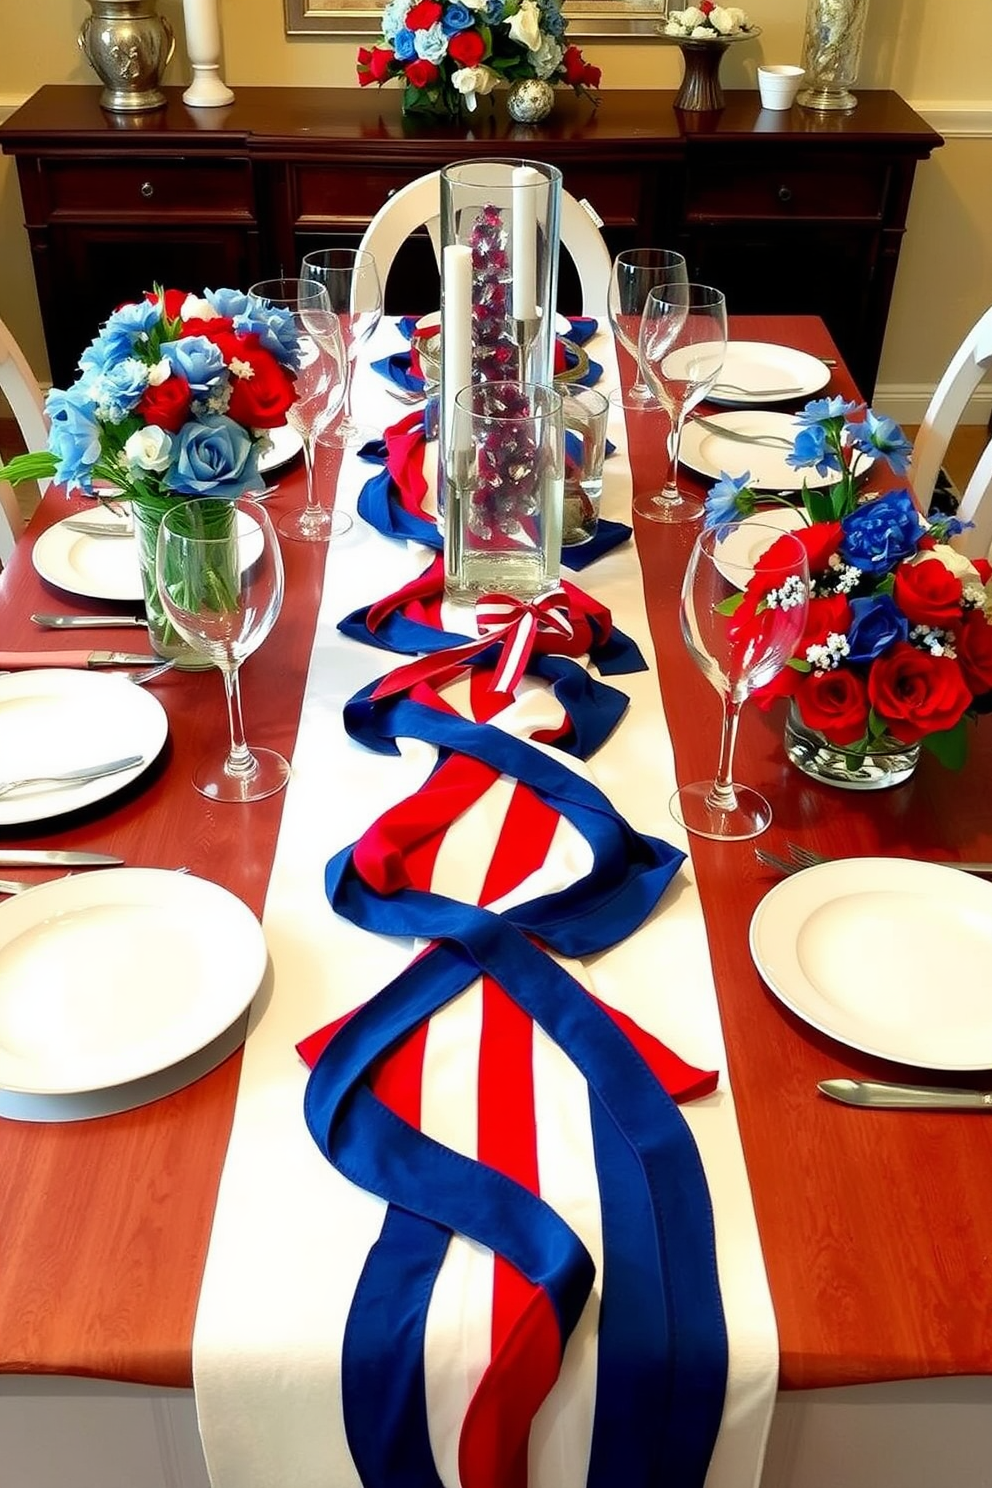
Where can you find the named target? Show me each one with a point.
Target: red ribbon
(520, 627)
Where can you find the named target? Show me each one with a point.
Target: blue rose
(228, 302)
(213, 456)
(73, 436)
(810, 448)
(275, 328)
(457, 17)
(877, 624)
(880, 533)
(198, 360)
(404, 46)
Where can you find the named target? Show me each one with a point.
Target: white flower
(241, 369)
(194, 308)
(473, 81)
(525, 26)
(955, 562)
(159, 373)
(149, 448)
(547, 57)
(721, 20)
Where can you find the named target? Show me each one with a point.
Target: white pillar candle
(202, 25)
(524, 265)
(456, 330)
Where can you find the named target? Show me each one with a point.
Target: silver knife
(737, 436)
(881, 1096)
(98, 529)
(88, 622)
(15, 659)
(35, 857)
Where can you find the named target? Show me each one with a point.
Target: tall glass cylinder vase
(499, 285)
(835, 31)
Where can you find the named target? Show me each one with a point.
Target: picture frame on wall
(585, 17)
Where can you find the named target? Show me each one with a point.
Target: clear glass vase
(164, 638)
(835, 31)
(888, 763)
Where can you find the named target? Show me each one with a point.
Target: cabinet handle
(147, 189)
(785, 193)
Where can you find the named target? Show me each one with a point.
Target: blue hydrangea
(275, 328)
(431, 44)
(393, 18)
(552, 20)
(119, 388)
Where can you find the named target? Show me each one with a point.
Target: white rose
(148, 449)
(472, 82)
(955, 563)
(737, 15)
(700, 33)
(196, 309)
(721, 20)
(525, 26)
(161, 372)
(690, 18)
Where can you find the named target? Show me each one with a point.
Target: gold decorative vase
(128, 45)
(835, 30)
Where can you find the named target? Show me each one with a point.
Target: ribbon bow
(517, 624)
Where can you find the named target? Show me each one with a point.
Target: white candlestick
(456, 330)
(202, 25)
(524, 265)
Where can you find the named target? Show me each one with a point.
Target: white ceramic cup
(778, 86)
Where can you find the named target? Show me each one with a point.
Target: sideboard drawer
(854, 189)
(204, 189)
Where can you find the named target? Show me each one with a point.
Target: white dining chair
(976, 507)
(969, 365)
(418, 204)
(21, 390)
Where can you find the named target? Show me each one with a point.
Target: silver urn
(128, 45)
(530, 100)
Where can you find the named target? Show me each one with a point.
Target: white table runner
(290, 1234)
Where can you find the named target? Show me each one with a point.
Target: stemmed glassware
(740, 644)
(219, 571)
(351, 279)
(682, 348)
(636, 272)
(320, 388)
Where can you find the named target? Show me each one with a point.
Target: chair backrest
(970, 363)
(976, 507)
(27, 403)
(418, 204)
(11, 521)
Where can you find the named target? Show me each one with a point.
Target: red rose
(420, 74)
(983, 568)
(835, 703)
(467, 47)
(823, 617)
(374, 65)
(574, 65)
(706, 6)
(974, 647)
(166, 405)
(928, 593)
(821, 542)
(916, 693)
(175, 299)
(212, 329)
(423, 16)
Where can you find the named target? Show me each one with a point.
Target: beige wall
(942, 69)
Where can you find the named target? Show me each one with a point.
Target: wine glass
(218, 567)
(682, 347)
(636, 272)
(739, 646)
(351, 280)
(320, 387)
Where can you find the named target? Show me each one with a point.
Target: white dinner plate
(850, 947)
(94, 567)
(760, 366)
(55, 720)
(709, 453)
(108, 977)
(286, 445)
(741, 548)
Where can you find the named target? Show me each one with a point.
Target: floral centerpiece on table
(449, 53)
(898, 643)
(707, 22)
(174, 400)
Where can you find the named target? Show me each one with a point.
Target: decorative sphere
(530, 100)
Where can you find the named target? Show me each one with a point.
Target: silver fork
(73, 777)
(771, 441)
(751, 392)
(803, 857)
(769, 860)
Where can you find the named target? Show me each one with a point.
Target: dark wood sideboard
(791, 212)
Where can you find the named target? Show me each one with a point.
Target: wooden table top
(874, 1225)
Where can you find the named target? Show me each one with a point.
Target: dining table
(872, 1227)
